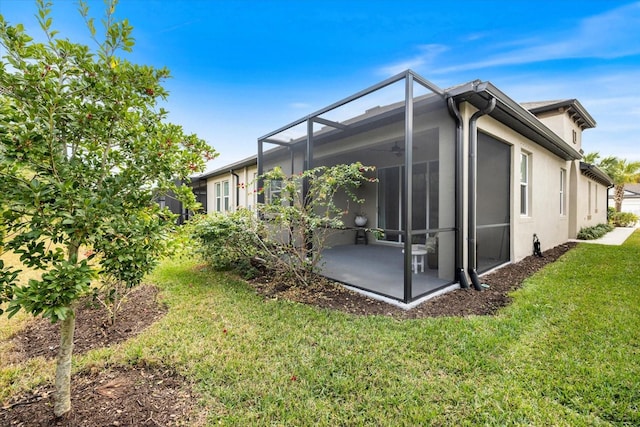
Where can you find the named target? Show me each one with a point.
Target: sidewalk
(615, 237)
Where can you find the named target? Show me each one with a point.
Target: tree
(84, 149)
(621, 172)
(591, 158)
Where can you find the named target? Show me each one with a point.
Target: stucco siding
(544, 217)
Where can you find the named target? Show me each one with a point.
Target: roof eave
(249, 161)
(515, 116)
(595, 173)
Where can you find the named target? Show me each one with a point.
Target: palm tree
(591, 158)
(621, 172)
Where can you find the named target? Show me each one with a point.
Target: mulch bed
(111, 396)
(153, 396)
(41, 337)
(461, 302)
(132, 396)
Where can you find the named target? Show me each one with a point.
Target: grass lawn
(566, 352)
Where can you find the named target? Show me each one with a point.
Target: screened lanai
(401, 126)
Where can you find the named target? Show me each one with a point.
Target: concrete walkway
(615, 237)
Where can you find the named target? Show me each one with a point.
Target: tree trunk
(62, 396)
(618, 195)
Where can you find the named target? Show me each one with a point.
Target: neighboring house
(222, 190)
(631, 200)
(228, 188)
(484, 175)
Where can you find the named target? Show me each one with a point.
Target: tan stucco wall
(544, 218)
(591, 206)
(245, 181)
(561, 124)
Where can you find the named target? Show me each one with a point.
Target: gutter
(460, 275)
(512, 114)
(473, 163)
(237, 187)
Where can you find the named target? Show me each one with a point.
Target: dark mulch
(461, 302)
(112, 396)
(148, 396)
(132, 396)
(93, 329)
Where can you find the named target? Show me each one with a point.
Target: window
(225, 195)
(575, 136)
(563, 192)
(524, 184)
(254, 191)
(273, 192)
(595, 195)
(589, 200)
(222, 196)
(218, 197)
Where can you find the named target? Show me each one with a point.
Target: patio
(378, 269)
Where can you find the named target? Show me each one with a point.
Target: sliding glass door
(424, 199)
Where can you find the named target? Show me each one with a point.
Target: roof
(632, 188)
(593, 172)
(514, 115)
(572, 106)
(249, 161)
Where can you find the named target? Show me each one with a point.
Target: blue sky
(244, 68)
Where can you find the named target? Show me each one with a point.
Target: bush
(595, 232)
(623, 219)
(227, 241)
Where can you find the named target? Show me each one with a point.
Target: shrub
(595, 232)
(623, 219)
(300, 223)
(228, 241)
(288, 235)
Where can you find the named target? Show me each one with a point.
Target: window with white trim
(273, 192)
(222, 196)
(254, 191)
(225, 195)
(218, 197)
(563, 192)
(524, 184)
(589, 199)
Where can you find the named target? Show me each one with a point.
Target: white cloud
(427, 55)
(613, 34)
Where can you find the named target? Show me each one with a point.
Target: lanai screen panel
(369, 130)
(286, 150)
(433, 187)
(493, 202)
(404, 129)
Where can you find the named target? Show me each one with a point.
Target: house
(466, 176)
(631, 199)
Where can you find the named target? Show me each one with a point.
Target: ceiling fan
(396, 149)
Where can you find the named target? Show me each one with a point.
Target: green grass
(566, 352)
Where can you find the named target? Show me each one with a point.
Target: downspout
(460, 275)
(473, 163)
(237, 187)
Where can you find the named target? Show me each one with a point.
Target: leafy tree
(129, 248)
(84, 148)
(621, 172)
